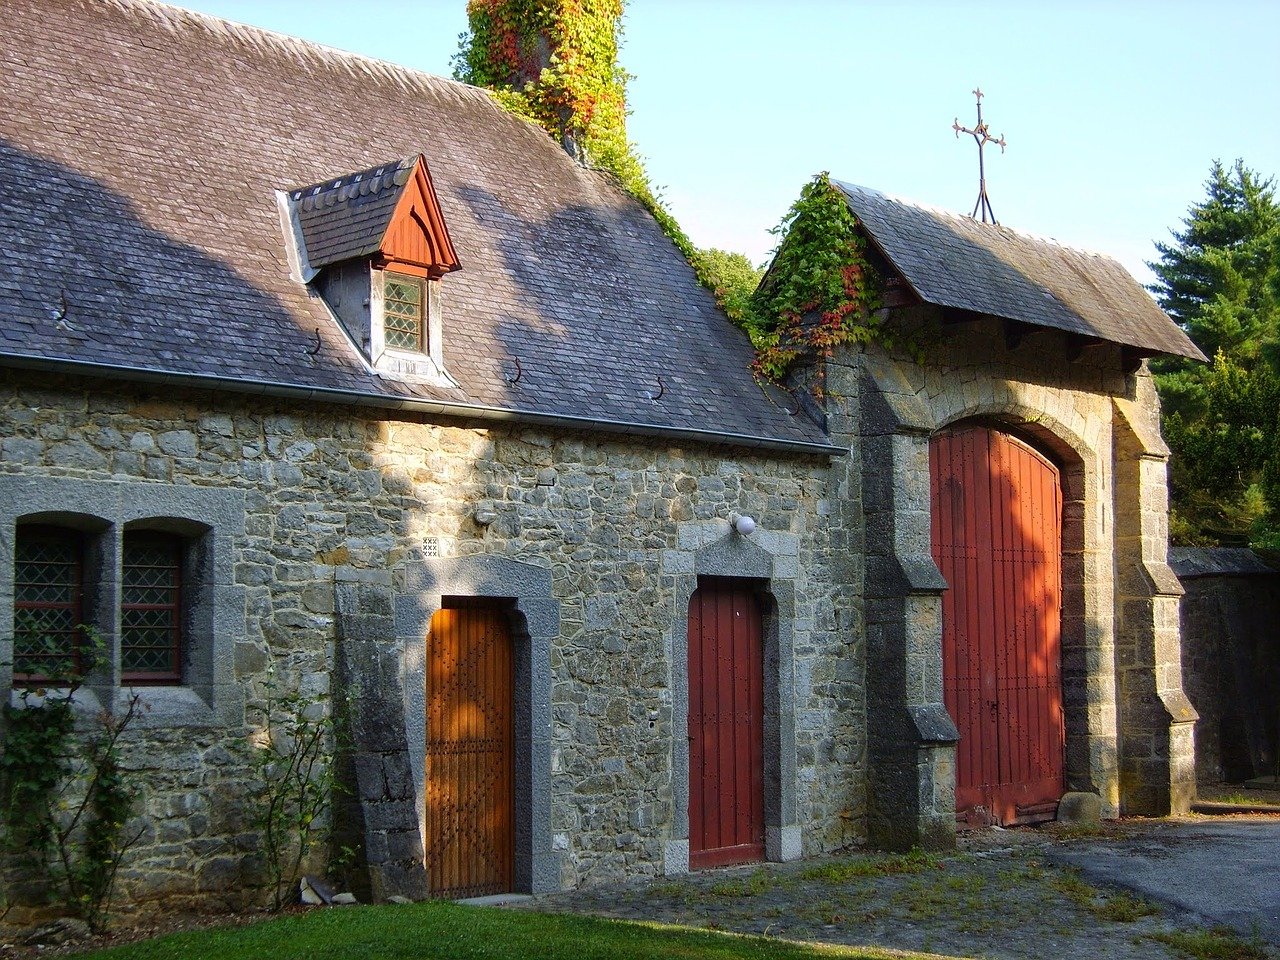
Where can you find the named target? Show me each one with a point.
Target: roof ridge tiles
(173, 17)
(956, 215)
(376, 177)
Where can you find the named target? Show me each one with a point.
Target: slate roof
(347, 217)
(140, 151)
(951, 260)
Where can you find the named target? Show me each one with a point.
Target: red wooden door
(726, 726)
(469, 753)
(997, 538)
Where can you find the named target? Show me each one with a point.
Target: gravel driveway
(1016, 894)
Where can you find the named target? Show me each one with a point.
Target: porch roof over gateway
(951, 260)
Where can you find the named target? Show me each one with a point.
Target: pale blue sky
(1113, 111)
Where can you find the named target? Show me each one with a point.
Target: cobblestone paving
(999, 897)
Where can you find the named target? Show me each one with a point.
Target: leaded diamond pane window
(48, 593)
(402, 306)
(151, 607)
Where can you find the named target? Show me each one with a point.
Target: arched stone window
(48, 603)
(146, 571)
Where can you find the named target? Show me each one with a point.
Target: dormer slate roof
(141, 151)
(347, 217)
(951, 260)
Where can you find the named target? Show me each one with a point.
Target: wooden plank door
(726, 726)
(469, 841)
(997, 538)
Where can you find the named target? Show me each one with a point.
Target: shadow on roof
(83, 277)
(621, 331)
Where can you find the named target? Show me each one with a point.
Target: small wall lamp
(742, 523)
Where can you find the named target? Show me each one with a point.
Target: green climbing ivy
(820, 292)
(556, 62)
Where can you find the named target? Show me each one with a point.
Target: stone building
(329, 374)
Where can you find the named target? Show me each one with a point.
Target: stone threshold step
(1213, 807)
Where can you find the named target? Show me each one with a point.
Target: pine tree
(1220, 279)
(1214, 280)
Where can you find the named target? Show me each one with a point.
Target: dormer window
(403, 302)
(374, 246)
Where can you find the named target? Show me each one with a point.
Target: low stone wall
(1231, 659)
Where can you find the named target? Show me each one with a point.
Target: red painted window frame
(76, 604)
(177, 545)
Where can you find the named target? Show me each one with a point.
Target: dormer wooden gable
(389, 214)
(374, 245)
(416, 239)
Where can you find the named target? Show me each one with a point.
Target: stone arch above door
(911, 772)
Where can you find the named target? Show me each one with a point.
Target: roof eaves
(443, 408)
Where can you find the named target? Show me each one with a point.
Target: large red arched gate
(997, 538)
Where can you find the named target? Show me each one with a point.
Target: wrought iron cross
(981, 137)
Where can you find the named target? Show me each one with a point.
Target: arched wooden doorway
(997, 538)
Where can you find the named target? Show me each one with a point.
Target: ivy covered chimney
(555, 61)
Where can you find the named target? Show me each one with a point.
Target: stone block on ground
(1081, 808)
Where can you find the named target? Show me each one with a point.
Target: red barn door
(997, 538)
(726, 726)
(469, 753)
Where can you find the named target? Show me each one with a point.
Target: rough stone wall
(1231, 660)
(1157, 747)
(910, 789)
(336, 499)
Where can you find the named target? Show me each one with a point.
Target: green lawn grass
(444, 931)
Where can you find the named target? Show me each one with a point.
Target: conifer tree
(1220, 279)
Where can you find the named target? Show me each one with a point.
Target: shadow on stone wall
(1231, 660)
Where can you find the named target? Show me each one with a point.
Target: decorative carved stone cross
(981, 137)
